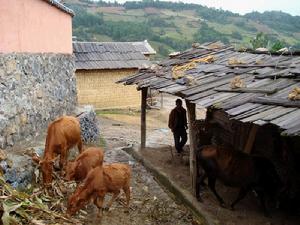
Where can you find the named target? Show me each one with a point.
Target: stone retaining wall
(34, 89)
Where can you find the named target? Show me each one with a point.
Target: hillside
(175, 26)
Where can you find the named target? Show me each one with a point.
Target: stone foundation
(34, 90)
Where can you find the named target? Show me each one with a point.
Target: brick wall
(98, 88)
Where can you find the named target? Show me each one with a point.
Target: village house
(37, 79)
(35, 26)
(100, 64)
(252, 101)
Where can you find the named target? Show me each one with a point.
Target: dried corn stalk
(235, 61)
(189, 80)
(178, 71)
(294, 94)
(35, 208)
(237, 82)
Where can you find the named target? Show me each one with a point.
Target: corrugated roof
(108, 55)
(268, 79)
(60, 6)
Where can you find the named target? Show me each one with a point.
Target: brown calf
(99, 181)
(62, 134)
(84, 162)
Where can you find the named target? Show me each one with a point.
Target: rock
(23, 119)
(146, 189)
(39, 94)
(2, 155)
(20, 173)
(11, 66)
(89, 124)
(9, 140)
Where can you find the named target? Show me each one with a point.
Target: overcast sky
(245, 6)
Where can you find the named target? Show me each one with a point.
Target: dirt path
(150, 204)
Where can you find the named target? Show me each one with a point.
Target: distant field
(172, 29)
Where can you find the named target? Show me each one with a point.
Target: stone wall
(34, 89)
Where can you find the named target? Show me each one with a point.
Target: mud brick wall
(98, 88)
(34, 89)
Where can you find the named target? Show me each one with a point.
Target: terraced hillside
(175, 26)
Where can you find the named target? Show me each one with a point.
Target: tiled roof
(60, 6)
(268, 78)
(108, 55)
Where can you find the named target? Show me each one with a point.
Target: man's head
(178, 102)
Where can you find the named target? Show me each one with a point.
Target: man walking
(178, 125)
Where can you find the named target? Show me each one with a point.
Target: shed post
(143, 117)
(191, 109)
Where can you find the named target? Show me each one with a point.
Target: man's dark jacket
(177, 119)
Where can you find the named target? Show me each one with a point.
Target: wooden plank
(174, 89)
(191, 109)
(259, 116)
(143, 117)
(214, 99)
(293, 131)
(239, 100)
(280, 112)
(260, 122)
(276, 101)
(281, 65)
(292, 120)
(204, 87)
(285, 117)
(242, 108)
(164, 83)
(200, 95)
(251, 112)
(284, 92)
(251, 139)
(247, 90)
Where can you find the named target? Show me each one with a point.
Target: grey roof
(108, 55)
(144, 47)
(268, 78)
(60, 6)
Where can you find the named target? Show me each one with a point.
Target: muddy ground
(123, 127)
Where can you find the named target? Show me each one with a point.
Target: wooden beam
(191, 109)
(248, 90)
(277, 101)
(251, 139)
(143, 117)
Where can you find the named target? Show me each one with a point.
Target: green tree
(260, 41)
(207, 34)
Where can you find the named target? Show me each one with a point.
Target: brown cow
(84, 162)
(62, 134)
(101, 180)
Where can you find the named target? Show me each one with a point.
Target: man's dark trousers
(180, 137)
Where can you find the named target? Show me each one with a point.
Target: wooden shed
(252, 101)
(100, 64)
